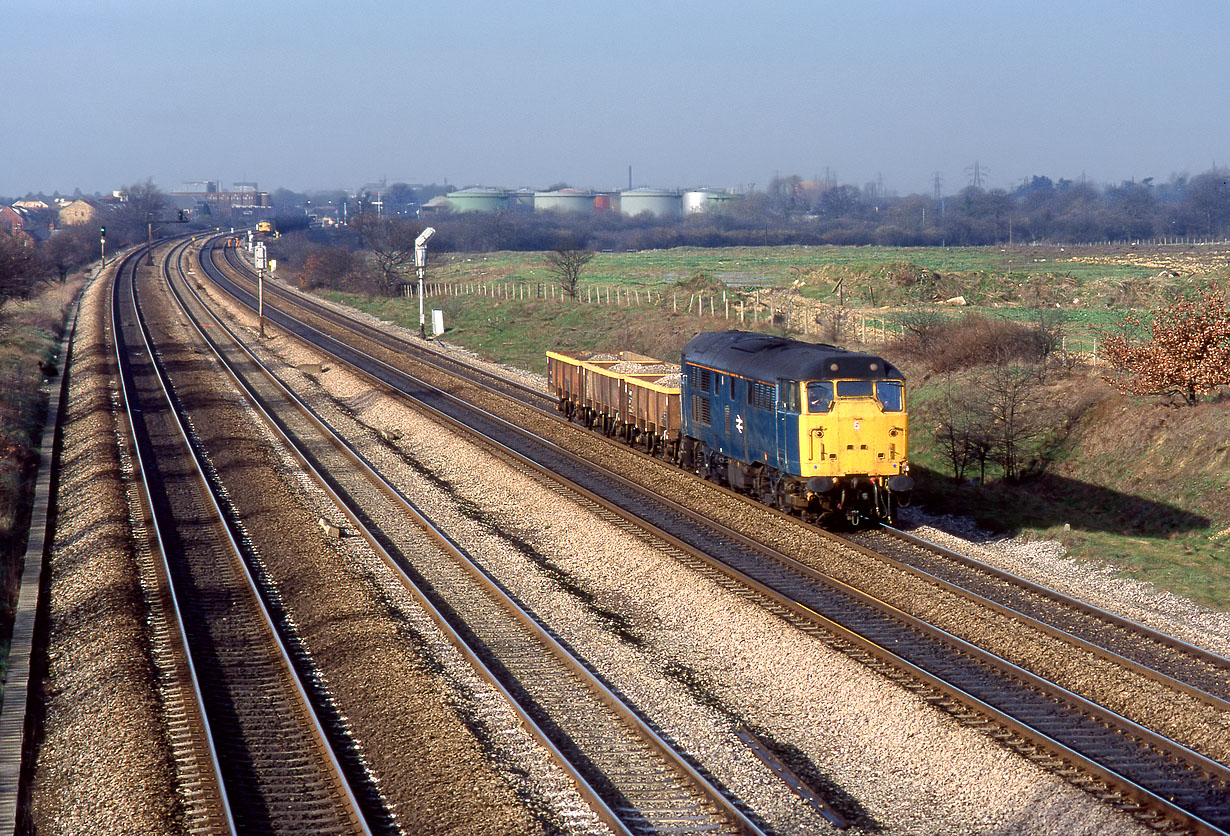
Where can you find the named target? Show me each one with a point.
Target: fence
(794, 314)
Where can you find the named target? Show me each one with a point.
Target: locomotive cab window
(819, 395)
(788, 396)
(890, 394)
(854, 388)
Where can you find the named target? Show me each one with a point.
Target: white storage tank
(696, 201)
(657, 202)
(565, 200)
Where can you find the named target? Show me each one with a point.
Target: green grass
(778, 266)
(520, 332)
(1181, 554)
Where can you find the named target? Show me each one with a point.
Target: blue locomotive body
(808, 428)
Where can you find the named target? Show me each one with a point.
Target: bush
(1187, 352)
(974, 340)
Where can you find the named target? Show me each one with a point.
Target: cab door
(787, 420)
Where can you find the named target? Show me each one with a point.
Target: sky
(318, 95)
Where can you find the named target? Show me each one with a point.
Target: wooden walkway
(17, 685)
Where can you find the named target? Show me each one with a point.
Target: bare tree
(995, 415)
(71, 247)
(1016, 417)
(960, 428)
(566, 262)
(391, 242)
(19, 267)
(143, 203)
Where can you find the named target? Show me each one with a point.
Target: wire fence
(794, 314)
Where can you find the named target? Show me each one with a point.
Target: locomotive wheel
(780, 499)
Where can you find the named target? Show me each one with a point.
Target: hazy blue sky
(310, 94)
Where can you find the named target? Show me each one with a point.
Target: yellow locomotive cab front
(853, 427)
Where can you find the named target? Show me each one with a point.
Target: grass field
(779, 266)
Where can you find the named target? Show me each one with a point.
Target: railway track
(376, 336)
(273, 760)
(1161, 781)
(1174, 663)
(626, 770)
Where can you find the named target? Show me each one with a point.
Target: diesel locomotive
(807, 428)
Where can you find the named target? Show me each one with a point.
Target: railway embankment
(1124, 482)
(29, 333)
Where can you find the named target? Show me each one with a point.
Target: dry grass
(29, 332)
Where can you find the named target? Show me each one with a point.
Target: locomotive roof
(767, 358)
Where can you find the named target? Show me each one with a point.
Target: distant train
(265, 228)
(809, 429)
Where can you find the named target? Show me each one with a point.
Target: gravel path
(888, 761)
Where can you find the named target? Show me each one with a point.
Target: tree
(995, 414)
(326, 267)
(391, 242)
(566, 262)
(1012, 414)
(19, 267)
(958, 428)
(70, 247)
(1187, 352)
(143, 202)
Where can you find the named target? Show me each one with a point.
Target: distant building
(12, 220)
(657, 202)
(77, 212)
(242, 200)
(23, 222)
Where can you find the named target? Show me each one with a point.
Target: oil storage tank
(565, 200)
(696, 201)
(478, 199)
(522, 199)
(657, 202)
